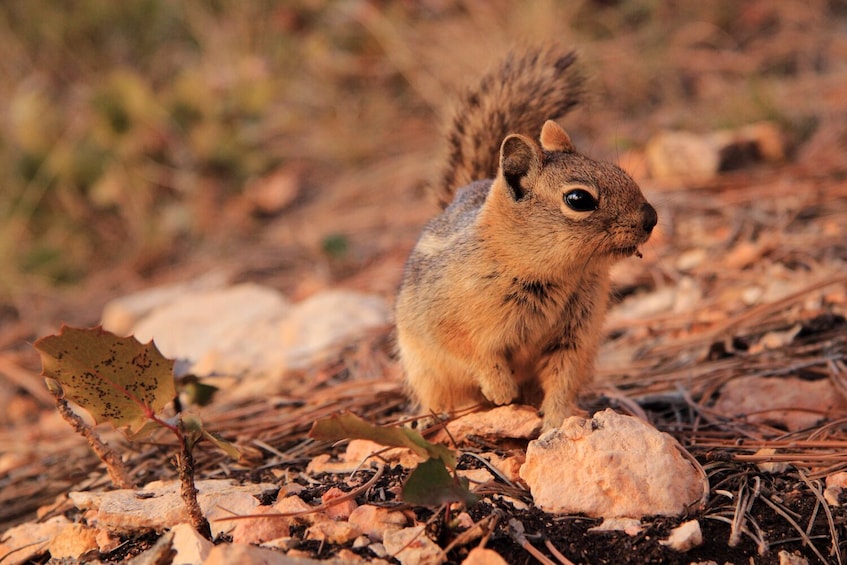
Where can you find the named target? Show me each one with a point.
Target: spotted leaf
(116, 379)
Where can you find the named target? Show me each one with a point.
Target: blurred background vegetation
(137, 132)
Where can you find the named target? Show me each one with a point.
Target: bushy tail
(529, 87)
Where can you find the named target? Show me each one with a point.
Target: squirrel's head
(589, 207)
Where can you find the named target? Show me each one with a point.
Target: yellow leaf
(116, 379)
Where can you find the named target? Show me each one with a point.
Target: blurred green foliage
(124, 118)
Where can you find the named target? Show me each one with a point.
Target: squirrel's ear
(520, 158)
(554, 138)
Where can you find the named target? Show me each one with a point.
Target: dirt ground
(745, 277)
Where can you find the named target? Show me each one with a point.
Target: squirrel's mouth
(628, 251)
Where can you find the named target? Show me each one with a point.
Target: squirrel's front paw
(499, 391)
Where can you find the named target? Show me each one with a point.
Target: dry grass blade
(516, 530)
(738, 516)
(835, 549)
(743, 503)
(761, 544)
(557, 554)
(783, 512)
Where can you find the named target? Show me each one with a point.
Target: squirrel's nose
(649, 217)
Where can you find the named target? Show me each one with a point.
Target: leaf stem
(118, 472)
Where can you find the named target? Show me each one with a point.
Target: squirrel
(504, 294)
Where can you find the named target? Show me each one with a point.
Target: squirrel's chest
(531, 312)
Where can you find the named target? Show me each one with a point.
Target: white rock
(228, 330)
(339, 510)
(835, 485)
(770, 466)
(610, 466)
(684, 537)
(791, 402)
(107, 541)
(190, 546)
(122, 314)
(516, 503)
(484, 556)
(333, 532)
(378, 549)
(243, 554)
(630, 526)
(326, 320)
(674, 154)
(786, 558)
(324, 463)
(259, 530)
(509, 466)
(304, 513)
(411, 546)
(245, 328)
(374, 521)
(476, 476)
(21, 543)
(73, 541)
(360, 451)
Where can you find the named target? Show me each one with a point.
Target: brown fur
(504, 295)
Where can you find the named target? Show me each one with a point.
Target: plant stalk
(118, 473)
(188, 490)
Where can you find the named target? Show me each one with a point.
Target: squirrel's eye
(580, 200)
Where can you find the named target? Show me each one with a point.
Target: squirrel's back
(527, 88)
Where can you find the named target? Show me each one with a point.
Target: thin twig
(806, 540)
(833, 531)
(557, 554)
(118, 472)
(516, 530)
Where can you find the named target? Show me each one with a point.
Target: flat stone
(228, 330)
(122, 314)
(374, 521)
(340, 510)
(74, 541)
(190, 546)
(630, 526)
(319, 324)
(508, 466)
(23, 542)
(159, 506)
(675, 154)
(411, 546)
(687, 535)
(245, 328)
(330, 531)
(258, 530)
(510, 421)
(484, 556)
(361, 451)
(786, 558)
(617, 467)
(835, 485)
(244, 554)
(787, 402)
